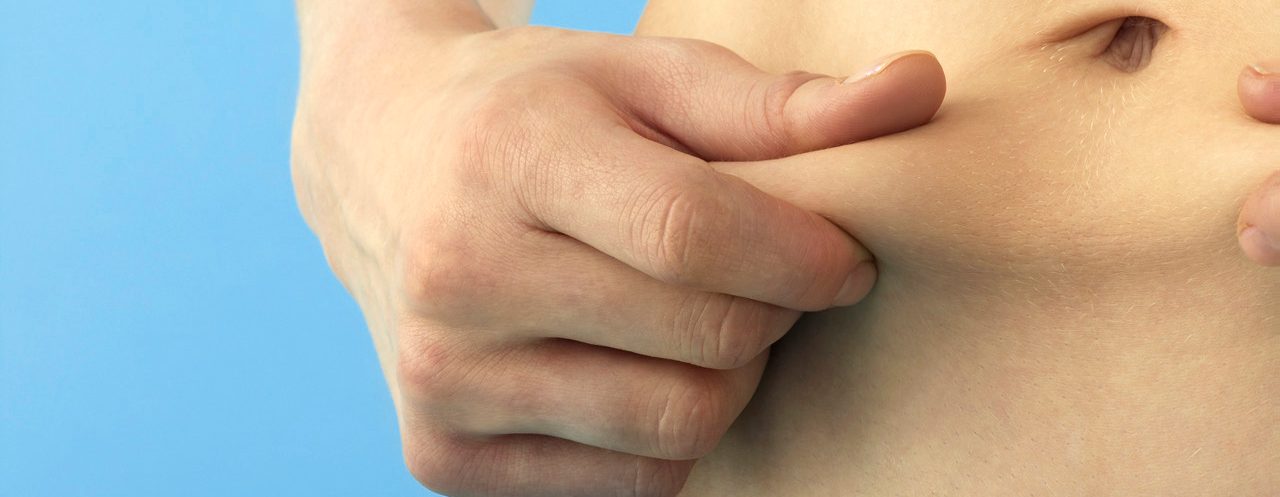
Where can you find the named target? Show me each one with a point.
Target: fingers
(535, 466)
(1259, 224)
(723, 108)
(672, 217)
(836, 182)
(589, 297)
(591, 395)
(1260, 91)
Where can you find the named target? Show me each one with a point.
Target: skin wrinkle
(1062, 304)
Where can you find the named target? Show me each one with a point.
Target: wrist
(334, 31)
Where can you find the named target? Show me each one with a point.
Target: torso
(1061, 309)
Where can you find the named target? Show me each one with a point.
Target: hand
(1259, 225)
(567, 300)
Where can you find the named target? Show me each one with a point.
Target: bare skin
(385, 83)
(1062, 308)
(1260, 219)
(565, 297)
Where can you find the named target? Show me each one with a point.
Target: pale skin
(504, 205)
(1062, 308)
(1260, 219)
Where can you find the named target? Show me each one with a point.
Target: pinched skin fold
(1062, 306)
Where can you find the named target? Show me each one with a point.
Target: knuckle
(495, 124)
(438, 279)
(436, 463)
(723, 332)
(679, 225)
(425, 370)
(489, 131)
(516, 137)
(690, 419)
(773, 97)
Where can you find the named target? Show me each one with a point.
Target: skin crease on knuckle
(439, 273)
(690, 417)
(727, 332)
(453, 255)
(430, 366)
(684, 83)
(426, 366)
(677, 223)
(730, 339)
(444, 282)
(694, 323)
(452, 270)
(779, 124)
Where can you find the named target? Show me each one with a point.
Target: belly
(1061, 308)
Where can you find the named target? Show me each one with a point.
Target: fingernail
(857, 285)
(1266, 68)
(1262, 243)
(881, 66)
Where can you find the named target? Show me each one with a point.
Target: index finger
(673, 217)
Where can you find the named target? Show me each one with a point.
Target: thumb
(1260, 91)
(722, 108)
(1259, 225)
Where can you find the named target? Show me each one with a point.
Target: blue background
(168, 326)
